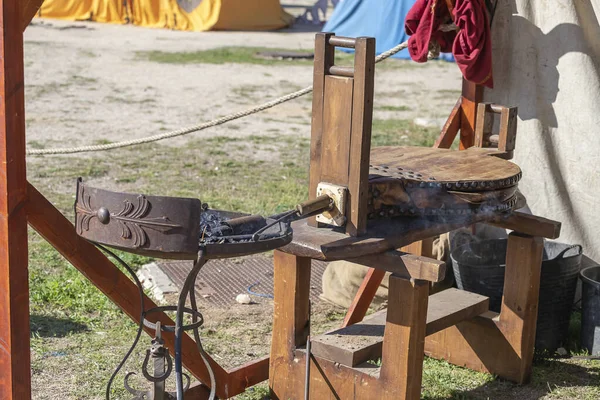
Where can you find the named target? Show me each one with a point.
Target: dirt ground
(87, 84)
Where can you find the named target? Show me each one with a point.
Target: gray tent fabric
(547, 62)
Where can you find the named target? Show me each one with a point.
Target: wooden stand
(453, 325)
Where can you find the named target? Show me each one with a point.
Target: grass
(220, 55)
(394, 108)
(248, 55)
(78, 335)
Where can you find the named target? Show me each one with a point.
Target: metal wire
(211, 373)
(142, 314)
(187, 286)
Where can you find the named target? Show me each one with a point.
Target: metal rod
(179, 322)
(342, 41)
(341, 71)
(496, 108)
(307, 358)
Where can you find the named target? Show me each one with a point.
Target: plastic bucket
(479, 268)
(590, 315)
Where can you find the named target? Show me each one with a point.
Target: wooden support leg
(500, 344)
(290, 322)
(368, 288)
(366, 292)
(404, 338)
(14, 287)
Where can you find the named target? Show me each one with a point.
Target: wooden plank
(364, 296)
(528, 224)
(14, 287)
(360, 142)
(337, 124)
(290, 319)
(363, 341)
(30, 8)
(251, 373)
(451, 127)
(328, 244)
(508, 130)
(500, 344)
(404, 337)
(452, 306)
(484, 124)
(519, 309)
(404, 265)
(84, 256)
(324, 58)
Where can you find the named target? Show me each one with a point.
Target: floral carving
(131, 218)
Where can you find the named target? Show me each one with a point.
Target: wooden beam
(324, 58)
(360, 141)
(14, 287)
(30, 8)
(404, 338)
(451, 127)
(84, 256)
(290, 322)
(364, 296)
(529, 224)
(404, 265)
(251, 373)
(472, 95)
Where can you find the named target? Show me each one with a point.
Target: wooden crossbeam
(30, 8)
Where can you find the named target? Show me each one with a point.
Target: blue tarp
(381, 19)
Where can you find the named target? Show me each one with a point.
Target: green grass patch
(394, 108)
(220, 55)
(393, 132)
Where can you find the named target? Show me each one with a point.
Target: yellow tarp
(187, 15)
(80, 10)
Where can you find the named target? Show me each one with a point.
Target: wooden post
(290, 321)
(324, 58)
(360, 143)
(404, 337)
(14, 287)
(500, 344)
(368, 288)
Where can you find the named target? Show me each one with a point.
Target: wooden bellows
(399, 181)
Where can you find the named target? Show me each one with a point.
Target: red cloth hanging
(471, 45)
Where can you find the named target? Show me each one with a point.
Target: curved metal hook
(130, 389)
(159, 378)
(185, 387)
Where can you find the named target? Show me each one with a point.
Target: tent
(547, 62)
(383, 20)
(188, 15)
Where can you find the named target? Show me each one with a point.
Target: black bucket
(590, 317)
(479, 268)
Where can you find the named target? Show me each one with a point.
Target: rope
(199, 127)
